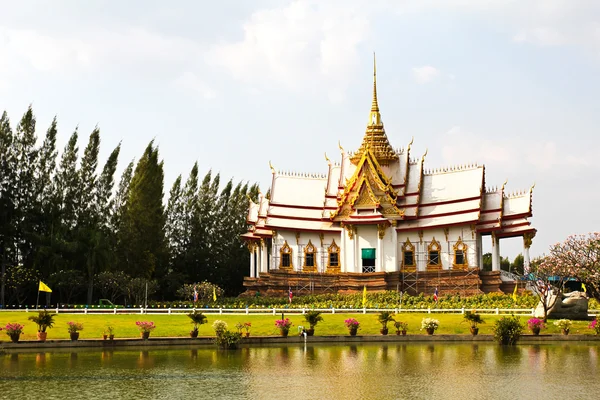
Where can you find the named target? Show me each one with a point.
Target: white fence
(276, 311)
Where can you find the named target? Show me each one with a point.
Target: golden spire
(374, 116)
(374, 105)
(375, 139)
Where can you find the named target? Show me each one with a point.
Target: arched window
(285, 256)
(310, 257)
(333, 258)
(460, 254)
(434, 258)
(408, 256)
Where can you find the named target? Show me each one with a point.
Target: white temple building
(381, 210)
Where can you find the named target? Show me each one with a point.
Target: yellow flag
(214, 294)
(515, 291)
(583, 287)
(44, 288)
(364, 296)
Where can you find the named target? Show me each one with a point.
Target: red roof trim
(449, 213)
(493, 210)
(516, 216)
(298, 218)
(287, 228)
(302, 207)
(450, 201)
(424, 228)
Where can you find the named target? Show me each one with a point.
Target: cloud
(425, 74)
(190, 81)
(303, 46)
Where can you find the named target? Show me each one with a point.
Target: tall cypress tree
(144, 219)
(7, 201)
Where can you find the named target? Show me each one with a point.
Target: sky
(233, 85)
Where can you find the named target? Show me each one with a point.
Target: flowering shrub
(563, 324)
(595, 326)
(247, 326)
(430, 323)
(534, 323)
(351, 323)
(74, 327)
(13, 329)
(145, 326)
(283, 323)
(219, 326)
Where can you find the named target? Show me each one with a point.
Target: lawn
(179, 325)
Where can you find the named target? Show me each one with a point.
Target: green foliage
(43, 320)
(197, 318)
(473, 318)
(313, 317)
(385, 317)
(228, 340)
(508, 330)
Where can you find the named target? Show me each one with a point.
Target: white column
(357, 267)
(379, 256)
(252, 251)
(479, 254)
(264, 258)
(495, 253)
(526, 245)
(394, 253)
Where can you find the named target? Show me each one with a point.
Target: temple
(379, 218)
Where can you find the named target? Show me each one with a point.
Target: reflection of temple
(380, 218)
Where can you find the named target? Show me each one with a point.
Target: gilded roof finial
(271, 166)
(340, 146)
(531, 188)
(504, 184)
(374, 105)
(327, 159)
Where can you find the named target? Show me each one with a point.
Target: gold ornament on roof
(375, 138)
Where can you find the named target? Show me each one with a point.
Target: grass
(179, 325)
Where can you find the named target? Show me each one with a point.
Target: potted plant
(43, 320)
(110, 332)
(197, 319)
(430, 325)
(384, 317)
(145, 328)
(13, 330)
(535, 325)
(313, 317)
(595, 326)
(247, 326)
(284, 326)
(74, 328)
(401, 327)
(474, 320)
(352, 326)
(564, 324)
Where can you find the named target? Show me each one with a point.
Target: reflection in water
(414, 371)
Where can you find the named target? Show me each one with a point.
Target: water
(397, 371)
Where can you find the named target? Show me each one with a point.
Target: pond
(391, 371)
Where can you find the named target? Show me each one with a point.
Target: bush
(228, 340)
(507, 330)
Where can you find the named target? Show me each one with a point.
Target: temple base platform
(276, 283)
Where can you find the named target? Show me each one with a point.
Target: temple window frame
(461, 247)
(310, 251)
(434, 246)
(286, 250)
(333, 249)
(408, 247)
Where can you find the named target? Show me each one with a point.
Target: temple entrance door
(368, 260)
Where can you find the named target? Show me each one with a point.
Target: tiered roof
(378, 184)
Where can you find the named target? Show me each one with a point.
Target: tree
(144, 219)
(487, 262)
(578, 257)
(547, 281)
(517, 265)
(7, 201)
